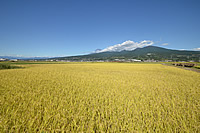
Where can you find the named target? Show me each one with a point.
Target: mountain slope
(149, 52)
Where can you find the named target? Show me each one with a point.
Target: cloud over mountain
(165, 44)
(127, 45)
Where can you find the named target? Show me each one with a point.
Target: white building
(3, 59)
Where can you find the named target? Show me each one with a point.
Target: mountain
(23, 58)
(145, 53)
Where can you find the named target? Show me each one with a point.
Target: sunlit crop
(99, 97)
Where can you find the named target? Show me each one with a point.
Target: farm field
(99, 97)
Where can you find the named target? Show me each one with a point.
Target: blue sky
(73, 27)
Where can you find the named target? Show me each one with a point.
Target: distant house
(134, 60)
(3, 59)
(13, 60)
(167, 60)
(150, 60)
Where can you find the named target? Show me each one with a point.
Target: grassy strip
(7, 66)
(198, 67)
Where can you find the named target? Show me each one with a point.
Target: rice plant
(99, 97)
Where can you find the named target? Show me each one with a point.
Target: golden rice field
(99, 97)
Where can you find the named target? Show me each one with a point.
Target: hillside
(146, 53)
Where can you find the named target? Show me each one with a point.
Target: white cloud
(196, 49)
(165, 44)
(182, 49)
(127, 45)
